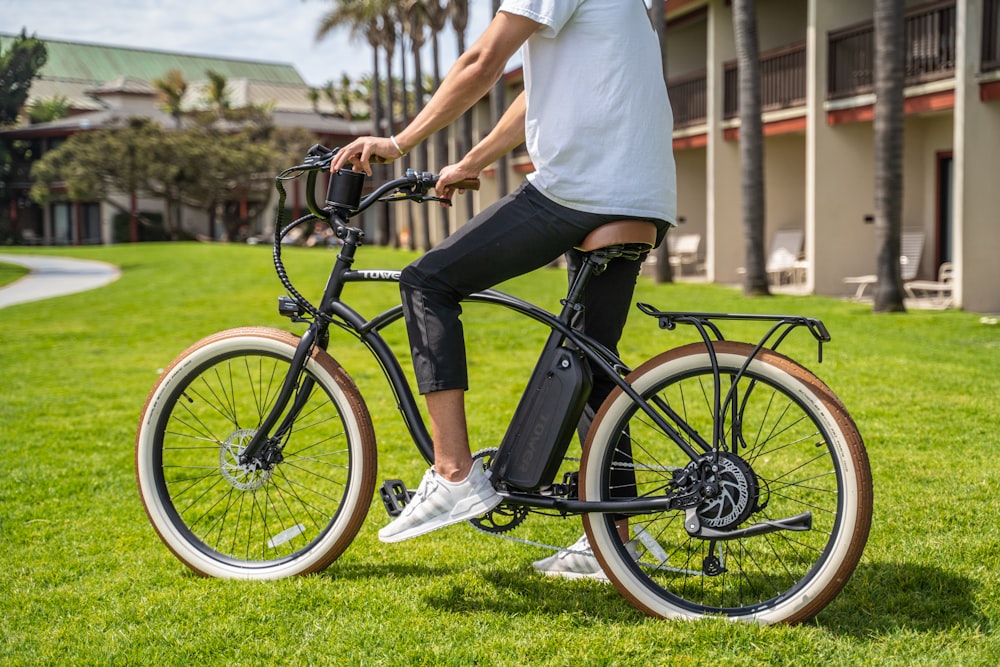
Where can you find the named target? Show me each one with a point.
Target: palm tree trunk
(497, 107)
(440, 139)
(388, 231)
(662, 270)
(378, 114)
(418, 89)
(889, 82)
(751, 146)
(460, 22)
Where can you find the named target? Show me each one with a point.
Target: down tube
(368, 332)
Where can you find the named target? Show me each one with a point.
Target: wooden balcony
(991, 35)
(929, 50)
(689, 99)
(782, 80)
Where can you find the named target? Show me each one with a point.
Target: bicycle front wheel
(226, 519)
(788, 449)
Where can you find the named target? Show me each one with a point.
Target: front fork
(263, 450)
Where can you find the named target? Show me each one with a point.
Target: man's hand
(453, 173)
(363, 152)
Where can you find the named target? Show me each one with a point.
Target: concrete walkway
(54, 276)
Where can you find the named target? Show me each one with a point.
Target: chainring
(504, 517)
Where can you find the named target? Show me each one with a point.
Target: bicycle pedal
(395, 496)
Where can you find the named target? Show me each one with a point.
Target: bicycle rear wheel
(788, 448)
(224, 519)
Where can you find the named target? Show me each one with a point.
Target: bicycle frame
(333, 310)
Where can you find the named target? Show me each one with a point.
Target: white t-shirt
(599, 124)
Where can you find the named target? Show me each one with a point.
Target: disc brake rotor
(248, 477)
(737, 497)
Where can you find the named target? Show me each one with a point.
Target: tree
(458, 11)
(171, 88)
(19, 65)
(437, 18)
(889, 98)
(658, 16)
(498, 104)
(217, 93)
(369, 18)
(97, 165)
(415, 24)
(751, 147)
(48, 109)
(219, 172)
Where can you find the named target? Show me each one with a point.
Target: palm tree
(217, 95)
(313, 95)
(171, 88)
(498, 101)
(346, 96)
(889, 82)
(437, 19)
(751, 146)
(415, 23)
(458, 12)
(367, 18)
(658, 15)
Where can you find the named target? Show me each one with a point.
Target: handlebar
(344, 201)
(344, 193)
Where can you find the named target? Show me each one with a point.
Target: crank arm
(798, 523)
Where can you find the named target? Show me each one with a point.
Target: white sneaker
(577, 562)
(438, 503)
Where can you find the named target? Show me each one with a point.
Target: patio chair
(783, 261)
(911, 247)
(683, 251)
(932, 293)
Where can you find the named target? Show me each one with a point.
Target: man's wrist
(395, 142)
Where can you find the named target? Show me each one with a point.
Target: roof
(78, 61)
(89, 75)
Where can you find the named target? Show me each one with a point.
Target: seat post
(594, 263)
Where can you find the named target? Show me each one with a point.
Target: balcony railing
(929, 50)
(991, 35)
(782, 80)
(689, 99)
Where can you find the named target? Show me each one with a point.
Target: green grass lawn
(85, 580)
(10, 273)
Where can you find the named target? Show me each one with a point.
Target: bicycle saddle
(620, 232)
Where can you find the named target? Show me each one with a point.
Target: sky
(280, 31)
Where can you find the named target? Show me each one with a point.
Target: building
(817, 59)
(817, 64)
(103, 84)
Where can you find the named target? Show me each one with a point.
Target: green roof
(95, 63)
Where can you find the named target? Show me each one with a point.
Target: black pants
(522, 232)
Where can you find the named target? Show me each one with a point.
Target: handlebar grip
(467, 184)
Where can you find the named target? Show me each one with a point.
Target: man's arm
(469, 79)
(507, 135)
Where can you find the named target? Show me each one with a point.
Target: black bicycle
(743, 479)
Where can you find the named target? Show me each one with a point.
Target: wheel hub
(245, 477)
(733, 493)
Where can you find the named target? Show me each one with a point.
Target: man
(597, 123)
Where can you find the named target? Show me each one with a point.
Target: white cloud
(272, 30)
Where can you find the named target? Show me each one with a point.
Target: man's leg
(452, 457)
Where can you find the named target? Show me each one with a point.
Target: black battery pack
(545, 419)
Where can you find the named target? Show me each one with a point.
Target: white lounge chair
(911, 247)
(933, 293)
(683, 251)
(783, 261)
